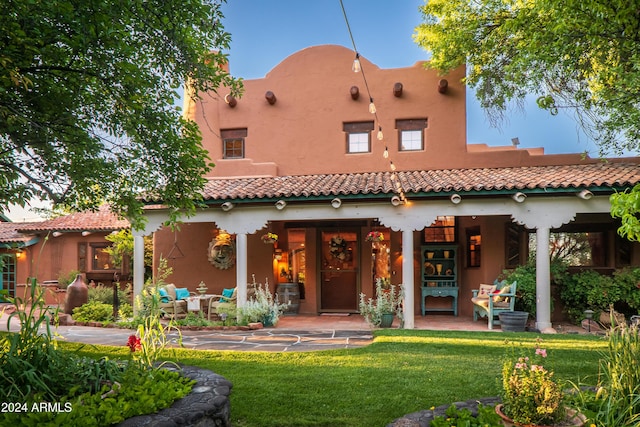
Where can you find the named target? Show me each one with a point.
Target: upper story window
(233, 143)
(358, 136)
(411, 134)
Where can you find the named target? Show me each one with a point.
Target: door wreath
(338, 248)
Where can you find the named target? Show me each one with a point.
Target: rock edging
(424, 418)
(206, 405)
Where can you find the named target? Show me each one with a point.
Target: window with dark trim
(100, 259)
(233, 143)
(474, 246)
(411, 134)
(443, 230)
(358, 136)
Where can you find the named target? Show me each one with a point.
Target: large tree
(581, 55)
(88, 92)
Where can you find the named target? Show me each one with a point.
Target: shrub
(102, 293)
(93, 311)
(262, 306)
(65, 279)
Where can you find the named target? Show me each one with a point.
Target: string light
(357, 68)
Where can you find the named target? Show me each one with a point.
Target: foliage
(102, 293)
(122, 248)
(388, 301)
(530, 394)
(487, 417)
(617, 400)
(65, 279)
(93, 311)
(262, 306)
(193, 319)
(148, 302)
(87, 101)
(593, 291)
(626, 206)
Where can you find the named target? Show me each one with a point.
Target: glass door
(339, 273)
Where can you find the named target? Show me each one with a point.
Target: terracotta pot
(573, 419)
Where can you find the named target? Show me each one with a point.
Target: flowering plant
(374, 236)
(269, 238)
(388, 301)
(530, 394)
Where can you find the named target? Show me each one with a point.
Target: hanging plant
(269, 238)
(374, 236)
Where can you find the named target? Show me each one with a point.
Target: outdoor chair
(491, 300)
(222, 303)
(173, 301)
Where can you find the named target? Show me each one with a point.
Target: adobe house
(48, 249)
(299, 156)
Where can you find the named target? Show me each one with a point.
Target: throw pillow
(504, 290)
(164, 296)
(182, 293)
(486, 290)
(227, 294)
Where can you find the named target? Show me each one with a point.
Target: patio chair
(222, 303)
(491, 300)
(173, 301)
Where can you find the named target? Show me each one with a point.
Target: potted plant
(269, 238)
(530, 394)
(380, 312)
(262, 306)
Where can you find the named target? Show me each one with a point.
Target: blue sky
(265, 32)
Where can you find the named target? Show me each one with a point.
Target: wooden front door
(339, 270)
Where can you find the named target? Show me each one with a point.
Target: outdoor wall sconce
(336, 203)
(56, 234)
(355, 92)
(455, 199)
(396, 201)
(85, 233)
(281, 204)
(230, 100)
(271, 97)
(519, 197)
(585, 194)
(397, 90)
(227, 206)
(443, 85)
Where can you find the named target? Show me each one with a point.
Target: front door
(339, 273)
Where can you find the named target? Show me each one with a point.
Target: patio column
(543, 281)
(138, 267)
(408, 279)
(241, 268)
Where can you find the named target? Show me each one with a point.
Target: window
(233, 143)
(474, 242)
(411, 134)
(358, 136)
(442, 230)
(100, 259)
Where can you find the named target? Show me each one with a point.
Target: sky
(265, 32)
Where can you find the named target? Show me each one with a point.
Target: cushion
(227, 294)
(171, 290)
(482, 302)
(182, 293)
(164, 296)
(504, 290)
(486, 290)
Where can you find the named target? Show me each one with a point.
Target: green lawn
(401, 372)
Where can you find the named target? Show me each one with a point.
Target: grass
(401, 372)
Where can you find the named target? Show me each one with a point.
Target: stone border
(207, 405)
(424, 418)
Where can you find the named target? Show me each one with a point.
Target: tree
(87, 101)
(582, 55)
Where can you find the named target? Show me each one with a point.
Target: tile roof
(597, 174)
(101, 220)
(10, 234)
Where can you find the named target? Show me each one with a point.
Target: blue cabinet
(439, 276)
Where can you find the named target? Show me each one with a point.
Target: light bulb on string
(372, 106)
(392, 166)
(356, 67)
(380, 134)
(385, 153)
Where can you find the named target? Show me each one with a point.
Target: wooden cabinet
(439, 276)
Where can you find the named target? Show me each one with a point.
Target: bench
(491, 300)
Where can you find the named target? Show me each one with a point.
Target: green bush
(93, 311)
(102, 293)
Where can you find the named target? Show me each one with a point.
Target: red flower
(134, 343)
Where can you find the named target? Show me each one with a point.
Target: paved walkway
(293, 333)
